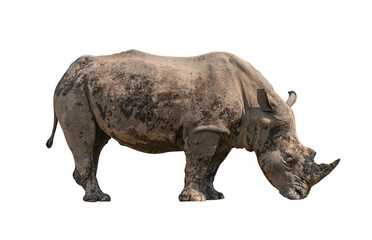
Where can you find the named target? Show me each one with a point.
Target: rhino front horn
(322, 170)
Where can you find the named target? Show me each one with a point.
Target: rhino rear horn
(322, 170)
(292, 98)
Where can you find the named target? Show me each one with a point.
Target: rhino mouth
(296, 192)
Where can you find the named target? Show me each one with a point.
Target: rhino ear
(266, 101)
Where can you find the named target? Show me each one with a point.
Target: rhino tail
(49, 143)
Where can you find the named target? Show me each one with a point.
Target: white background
(320, 49)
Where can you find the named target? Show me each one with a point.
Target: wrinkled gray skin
(204, 106)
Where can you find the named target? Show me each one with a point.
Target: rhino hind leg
(200, 149)
(85, 141)
(101, 140)
(93, 192)
(86, 163)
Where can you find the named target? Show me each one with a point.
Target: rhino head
(287, 164)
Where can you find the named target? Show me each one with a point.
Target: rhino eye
(290, 160)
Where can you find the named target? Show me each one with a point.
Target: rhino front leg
(218, 158)
(200, 148)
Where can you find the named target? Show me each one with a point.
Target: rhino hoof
(215, 196)
(192, 195)
(97, 197)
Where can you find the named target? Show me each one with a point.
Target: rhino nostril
(293, 194)
(299, 193)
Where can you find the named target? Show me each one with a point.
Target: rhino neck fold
(247, 136)
(253, 132)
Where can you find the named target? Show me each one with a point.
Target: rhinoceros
(204, 105)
